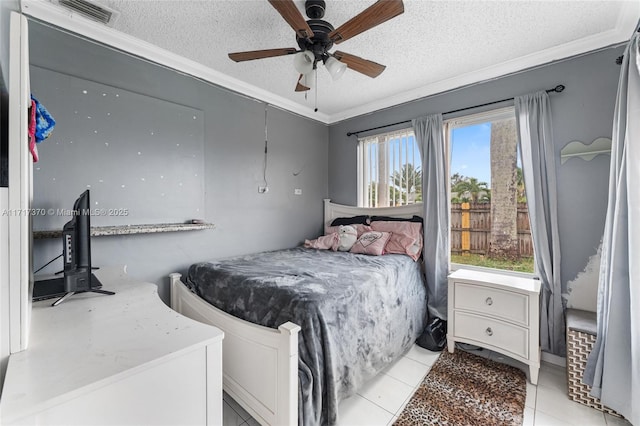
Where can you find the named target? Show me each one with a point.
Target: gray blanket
(358, 313)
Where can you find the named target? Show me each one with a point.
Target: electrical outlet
(263, 189)
(297, 191)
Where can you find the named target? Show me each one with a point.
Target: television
(76, 252)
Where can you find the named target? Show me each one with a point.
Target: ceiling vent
(91, 10)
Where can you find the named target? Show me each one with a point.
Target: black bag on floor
(434, 335)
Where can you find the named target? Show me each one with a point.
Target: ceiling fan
(316, 37)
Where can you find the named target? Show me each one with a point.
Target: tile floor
(384, 397)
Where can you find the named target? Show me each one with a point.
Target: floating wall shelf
(584, 151)
(99, 231)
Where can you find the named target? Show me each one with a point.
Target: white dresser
(115, 360)
(498, 312)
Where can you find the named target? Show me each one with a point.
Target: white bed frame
(260, 364)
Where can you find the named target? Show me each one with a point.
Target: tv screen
(76, 240)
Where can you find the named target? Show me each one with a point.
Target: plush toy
(348, 237)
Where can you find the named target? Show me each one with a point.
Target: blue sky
(470, 152)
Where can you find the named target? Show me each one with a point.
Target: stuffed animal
(348, 237)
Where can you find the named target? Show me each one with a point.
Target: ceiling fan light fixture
(303, 62)
(309, 79)
(335, 67)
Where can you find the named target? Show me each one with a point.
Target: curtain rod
(559, 88)
(621, 57)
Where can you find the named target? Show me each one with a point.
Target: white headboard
(332, 211)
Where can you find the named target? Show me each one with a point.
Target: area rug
(466, 389)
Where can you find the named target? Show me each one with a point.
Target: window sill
(455, 266)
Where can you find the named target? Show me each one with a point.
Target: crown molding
(625, 27)
(45, 11)
(48, 12)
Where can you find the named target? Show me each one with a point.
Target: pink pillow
(360, 229)
(406, 237)
(326, 242)
(371, 242)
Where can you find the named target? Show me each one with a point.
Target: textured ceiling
(433, 46)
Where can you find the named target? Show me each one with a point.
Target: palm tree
(504, 206)
(456, 178)
(371, 194)
(470, 187)
(407, 184)
(486, 197)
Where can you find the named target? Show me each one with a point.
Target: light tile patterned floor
(383, 398)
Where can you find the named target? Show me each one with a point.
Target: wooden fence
(471, 229)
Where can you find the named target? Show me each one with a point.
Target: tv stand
(72, 285)
(71, 293)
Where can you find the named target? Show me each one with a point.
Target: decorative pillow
(397, 219)
(406, 237)
(362, 219)
(326, 242)
(360, 229)
(371, 242)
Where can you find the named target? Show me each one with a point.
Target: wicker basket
(581, 335)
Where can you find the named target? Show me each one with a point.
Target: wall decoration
(584, 151)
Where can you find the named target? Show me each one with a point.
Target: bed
(305, 328)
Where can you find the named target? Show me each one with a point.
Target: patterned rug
(465, 389)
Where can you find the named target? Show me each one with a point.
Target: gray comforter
(358, 313)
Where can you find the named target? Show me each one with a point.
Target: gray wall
(118, 143)
(584, 112)
(233, 147)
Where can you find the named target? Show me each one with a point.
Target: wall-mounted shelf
(99, 231)
(584, 151)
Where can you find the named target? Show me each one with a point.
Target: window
(489, 218)
(389, 170)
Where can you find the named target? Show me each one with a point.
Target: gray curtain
(435, 183)
(613, 368)
(533, 115)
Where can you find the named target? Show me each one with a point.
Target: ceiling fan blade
(294, 18)
(261, 54)
(381, 11)
(300, 87)
(356, 63)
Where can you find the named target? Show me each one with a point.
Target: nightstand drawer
(507, 305)
(493, 332)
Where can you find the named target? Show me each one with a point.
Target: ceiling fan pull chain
(315, 106)
(266, 141)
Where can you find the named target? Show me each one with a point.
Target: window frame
(464, 121)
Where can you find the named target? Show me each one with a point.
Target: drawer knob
(489, 331)
(489, 301)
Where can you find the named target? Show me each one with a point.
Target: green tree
(470, 187)
(485, 197)
(456, 178)
(406, 185)
(371, 194)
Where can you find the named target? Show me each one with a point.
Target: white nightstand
(498, 312)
